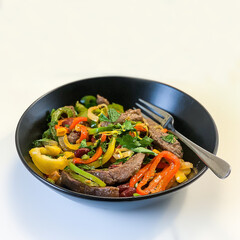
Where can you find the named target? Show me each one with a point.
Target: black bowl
(191, 119)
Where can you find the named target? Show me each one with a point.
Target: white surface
(192, 45)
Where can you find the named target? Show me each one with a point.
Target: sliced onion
(122, 153)
(90, 113)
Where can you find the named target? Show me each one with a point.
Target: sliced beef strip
(101, 100)
(156, 134)
(132, 115)
(77, 186)
(122, 173)
(73, 136)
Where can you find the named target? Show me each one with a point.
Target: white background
(192, 45)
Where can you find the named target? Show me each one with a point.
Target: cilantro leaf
(52, 123)
(128, 141)
(91, 153)
(83, 144)
(42, 142)
(144, 150)
(113, 115)
(170, 138)
(103, 118)
(127, 125)
(47, 134)
(146, 141)
(104, 146)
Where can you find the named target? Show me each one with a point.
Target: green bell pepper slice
(89, 101)
(83, 179)
(117, 107)
(81, 110)
(100, 129)
(56, 116)
(87, 175)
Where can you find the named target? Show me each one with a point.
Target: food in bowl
(99, 149)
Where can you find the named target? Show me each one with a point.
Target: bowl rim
(112, 199)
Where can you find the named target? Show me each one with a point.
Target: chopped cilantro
(91, 153)
(83, 144)
(52, 123)
(113, 115)
(103, 118)
(128, 141)
(146, 141)
(170, 138)
(144, 150)
(127, 126)
(118, 126)
(41, 142)
(47, 134)
(134, 144)
(104, 146)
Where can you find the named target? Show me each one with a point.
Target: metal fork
(218, 166)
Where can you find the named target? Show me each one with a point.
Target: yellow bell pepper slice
(156, 151)
(180, 176)
(186, 171)
(50, 150)
(69, 154)
(69, 145)
(46, 164)
(61, 131)
(185, 165)
(108, 154)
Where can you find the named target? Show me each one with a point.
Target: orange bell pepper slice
(103, 137)
(141, 127)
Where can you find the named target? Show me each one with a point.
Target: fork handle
(218, 166)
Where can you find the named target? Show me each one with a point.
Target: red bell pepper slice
(76, 121)
(160, 180)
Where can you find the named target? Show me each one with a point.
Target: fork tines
(154, 112)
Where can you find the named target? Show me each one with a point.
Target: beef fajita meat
(101, 100)
(132, 115)
(75, 185)
(122, 173)
(156, 134)
(73, 136)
